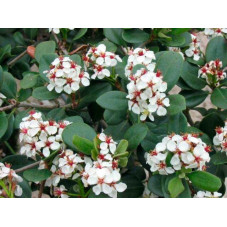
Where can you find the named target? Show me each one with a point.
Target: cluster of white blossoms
(186, 151)
(57, 30)
(65, 75)
(40, 137)
(220, 139)
(146, 87)
(212, 72)
(65, 165)
(103, 174)
(213, 32)
(177, 50)
(99, 60)
(202, 194)
(194, 49)
(9, 177)
(1, 98)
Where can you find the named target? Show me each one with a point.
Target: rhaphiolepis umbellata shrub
(108, 112)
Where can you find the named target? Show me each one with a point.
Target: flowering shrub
(113, 113)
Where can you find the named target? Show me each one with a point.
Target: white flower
(1, 98)
(61, 192)
(55, 30)
(213, 32)
(187, 150)
(194, 49)
(202, 194)
(212, 72)
(220, 139)
(65, 75)
(107, 144)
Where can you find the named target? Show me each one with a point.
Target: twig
(188, 116)
(33, 105)
(41, 189)
(27, 167)
(59, 44)
(78, 49)
(17, 58)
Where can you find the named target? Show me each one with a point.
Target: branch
(59, 44)
(188, 116)
(33, 105)
(17, 58)
(41, 189)
(78, 49)
(27, 167)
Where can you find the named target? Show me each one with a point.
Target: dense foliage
(108, 112)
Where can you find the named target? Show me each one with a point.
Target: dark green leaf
(135, 35)
(36, 175)
(83, 145)
(42, 93)
(114, 35)
(219, 98)
(177, 104)
(47, 47)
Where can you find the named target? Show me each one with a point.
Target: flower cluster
(202, 194)
(40, 137)
(184, 151)
(213, 32)
(212, 72)
(64, 166)
(220, 139)
(65, 75)
(99, 60)
(9, 181)
(146, 88)
(1, 98)
(194, 49)
(139, 56)
(104, 174)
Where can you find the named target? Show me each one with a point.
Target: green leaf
(176, 41)
(219, 98)
(177, 31)
(219, 158)
(18, 161)
(205, 181)
(170, 64)
(135, 35)
(190, 76)
(5, 52)
(44, 64)
(10, 127)
(114, 117)
(113, 100)
(9, 87)
(80, 33)
(175, 187)
(123, 161)
(36, 175)
(1, 76)
(47, 47)
(117, 131)
(90, 95)
(31, 32)
(3, 123)
(122, 147)
(80, 129)
(154, 185)
(135, 135)
(29, 80)
(212, 120)
(76, 58)
(56, 114)
(27, 192)
(177, 104)
(114, 35)
(194, 98)
(74, 119)
(42, 93)
(134, 189)
(217, 49)
(83, 145)
(24, 94)
(177, 123)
